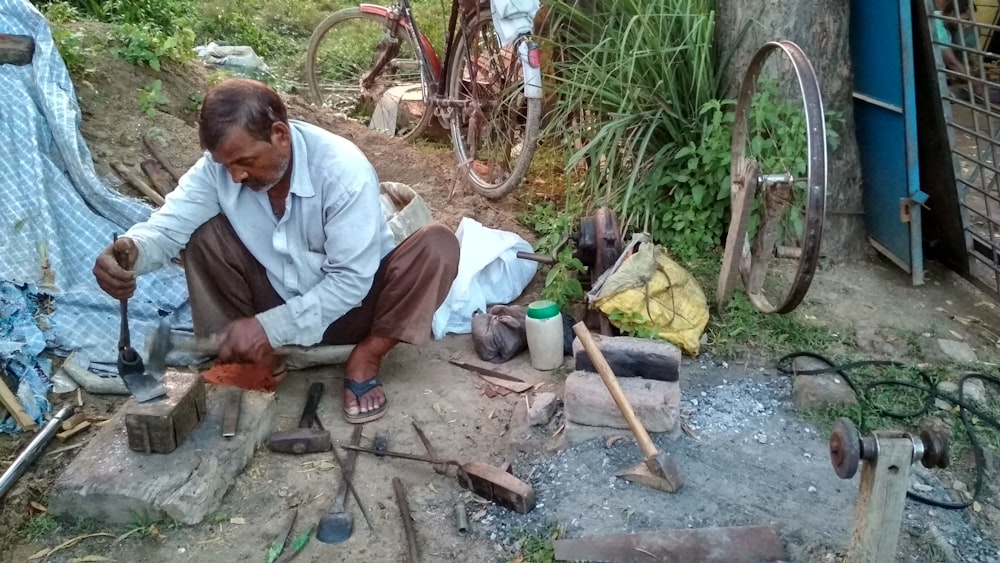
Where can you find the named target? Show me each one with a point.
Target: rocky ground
(751, 456)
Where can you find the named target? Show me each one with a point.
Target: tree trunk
(821, 29)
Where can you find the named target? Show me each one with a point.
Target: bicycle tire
(347, 15)
(745, 173)
(529, 142)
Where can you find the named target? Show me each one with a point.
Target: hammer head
(300, 441)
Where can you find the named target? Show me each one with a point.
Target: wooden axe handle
(611, 382)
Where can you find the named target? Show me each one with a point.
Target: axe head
(157, 348)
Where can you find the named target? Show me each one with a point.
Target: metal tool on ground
(461, 518)
(412, 556)
(439, 468)
(354, 492)
(381, 441)
(140, 383)
(305, 439)
(231, 412)
(487, 481)
(657, 469)
(31, 451)
(885, 479)
(278, 545)
(337, 524)
(749, 544)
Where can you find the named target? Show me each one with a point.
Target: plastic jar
(544, 328)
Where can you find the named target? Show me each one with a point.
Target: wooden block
(66, 435)
(71, 422)
(13, 406)
(161, 426)
(16, 49)
(108, 482)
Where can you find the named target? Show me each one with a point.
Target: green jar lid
(543, 309)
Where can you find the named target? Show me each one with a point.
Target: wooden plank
(137, 183)
(745, 544)
(67, 434)
(109, 482)
(157, 175)
(878, 514)
(13, 406)
(16, 49)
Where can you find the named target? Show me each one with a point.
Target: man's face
(256, 164)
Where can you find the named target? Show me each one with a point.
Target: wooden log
(109, 482)
(137, 183)
(71, 422)
(13, 406)
(16, 49)
(163, 425)
(159, 156)
(878, 514)
(157, 175)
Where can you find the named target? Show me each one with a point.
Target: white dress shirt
(321, 256)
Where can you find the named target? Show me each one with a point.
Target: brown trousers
(225, 283)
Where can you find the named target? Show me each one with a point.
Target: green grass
(537, 547)
(39, 526)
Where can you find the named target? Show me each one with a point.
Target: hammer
(305, 439)
(162, 341)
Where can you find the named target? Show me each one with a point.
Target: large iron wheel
(778, 202)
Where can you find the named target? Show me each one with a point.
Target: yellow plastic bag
(648, 285)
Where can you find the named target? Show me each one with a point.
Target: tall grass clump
(635, 88)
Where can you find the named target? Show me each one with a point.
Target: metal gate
(965, 45)
(885, 114)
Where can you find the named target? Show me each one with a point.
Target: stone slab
(586, 400)
(812, 391)
(574, 434)
(633, 357)
(110, 483)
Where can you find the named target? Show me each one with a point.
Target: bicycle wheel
(366, 65)
(779, 176)
(494, 120)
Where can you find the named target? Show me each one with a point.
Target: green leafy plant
(144, 44)
(151, 97)
(75, 52)
(562, 283)
(39, 526)
(634, 324)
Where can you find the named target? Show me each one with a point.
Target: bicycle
(487, 93)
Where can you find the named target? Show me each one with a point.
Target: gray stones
(810, 391)
(957, 351)
(542, 409)
(588, 402)
(633, 357)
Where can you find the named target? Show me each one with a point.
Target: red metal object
(432, 57)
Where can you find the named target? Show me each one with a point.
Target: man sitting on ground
(285, 242)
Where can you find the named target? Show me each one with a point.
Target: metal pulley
(848, 447)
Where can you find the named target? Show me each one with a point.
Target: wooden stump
(110, 483)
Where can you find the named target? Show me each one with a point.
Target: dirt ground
(753, 460)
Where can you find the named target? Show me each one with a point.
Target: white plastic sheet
(489, 273)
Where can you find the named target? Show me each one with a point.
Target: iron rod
(34, 448)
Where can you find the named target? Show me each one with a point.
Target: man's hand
(113, 268)
(244, 341)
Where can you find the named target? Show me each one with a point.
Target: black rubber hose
(784, 365)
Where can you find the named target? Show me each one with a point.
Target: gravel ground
(754, 462)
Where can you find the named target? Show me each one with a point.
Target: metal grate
(970, 89)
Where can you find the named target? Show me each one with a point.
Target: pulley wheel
(935, 449)
(845, 448)
(779, 176)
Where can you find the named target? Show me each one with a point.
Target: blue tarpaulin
(56, 215)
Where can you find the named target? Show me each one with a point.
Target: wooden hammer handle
(611, 382)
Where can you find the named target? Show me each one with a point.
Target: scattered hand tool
(657, 469)
(305, 439)
(142, 384)
(231, 412)
(354, 492)
(278, 545)
(491, 483)
(749, 544)
(337, 525)
(381, 441)
(439, 468)
(31, 451)
(404, 511)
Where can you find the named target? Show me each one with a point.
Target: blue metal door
(885, 116)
